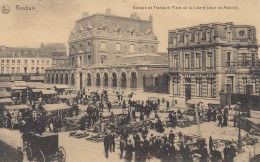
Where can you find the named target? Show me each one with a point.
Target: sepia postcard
(129, 80)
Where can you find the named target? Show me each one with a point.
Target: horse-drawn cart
(43, 147)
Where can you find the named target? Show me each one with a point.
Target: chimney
(85, 14)
(108, 11)
(151, 18)
(134, 15)
(42, 45)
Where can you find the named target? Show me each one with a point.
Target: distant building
(108, 51)
(23, 63)
(213, 63)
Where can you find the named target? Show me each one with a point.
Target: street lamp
(239, 145)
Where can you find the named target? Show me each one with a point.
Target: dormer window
(209, 35)
(228, 34)
(197, 37)
(186, 39)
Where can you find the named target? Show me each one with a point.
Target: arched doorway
(114, 80)
(52, 78)
(66, 79)
(61, 79)
(123, 80)
(144, 81)
(48, 79)
(105, 80)
(72, 79)
(133, 80)
(89, 80)
(57, 79)
(97, 79)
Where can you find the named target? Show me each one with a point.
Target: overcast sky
(53, 20)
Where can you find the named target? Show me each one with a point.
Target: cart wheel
(61, 154)
(40, 157)
(28, 152)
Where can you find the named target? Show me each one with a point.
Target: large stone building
(27, 64)
(208, 60)
(113, 52)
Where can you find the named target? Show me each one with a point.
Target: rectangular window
(7, 62)
(132, 48)
(187, 61)
(176, 82)
(25, 62)
(209, 37)
(229, 36)
(210, 87)
(13, 62)
(7, 70)
(244, 59)
(198, 60)
(175, 41)
(18, 69)
(210, 59)
(13, 70)
(103, 58)
(2, 61)
(103, 45)
(253, 59)
(175, 61)
(18, 62)
(32, 69)
(2, 70)
(146, 48)
(38, 62)
(47, 62)
(230, 81)
(42, 62)
(228, 58)
(32, 62)
(118, 47)
(199, 87)
(152, 49)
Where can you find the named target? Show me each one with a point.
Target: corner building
(209, 60)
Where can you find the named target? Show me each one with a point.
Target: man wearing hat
(19, 155)
(216, 155)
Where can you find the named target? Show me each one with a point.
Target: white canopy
(48, 92)
(6, 100)
(54, 107)
(18, 107)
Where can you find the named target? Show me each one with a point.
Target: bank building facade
(108, 51)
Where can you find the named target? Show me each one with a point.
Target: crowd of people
(169, 147)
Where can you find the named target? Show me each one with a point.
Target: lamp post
(239, 145)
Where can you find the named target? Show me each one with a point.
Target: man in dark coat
(171, 137)
(136, 138)
(220, 120)
(216, 155)
(227, 153)
(214, 114)
(203, 153)
(124, 135)
(106, 144)
(209, 113)
(122, 147)
(186, 154)
(112, 142)
(129, 151)
(19, 155)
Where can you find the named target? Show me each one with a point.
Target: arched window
(114, 80)
(89, 80)
(57, 79)
(133, 80)
(144, 81)
(105, 80)
(52, 78)
(61, 79)
(123, 80)
(66, 79)
(97, 79)
(48, 79)
(72, 79)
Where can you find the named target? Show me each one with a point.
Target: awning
(35, 85)
(54, 107)
(5, 94)
(62, 86)
(37, 90)
(6, 84)
(191, 102)
(48, 92)
(6, 100)
(18, 88)
(20, 84)
(18, 107)
(68, 96)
